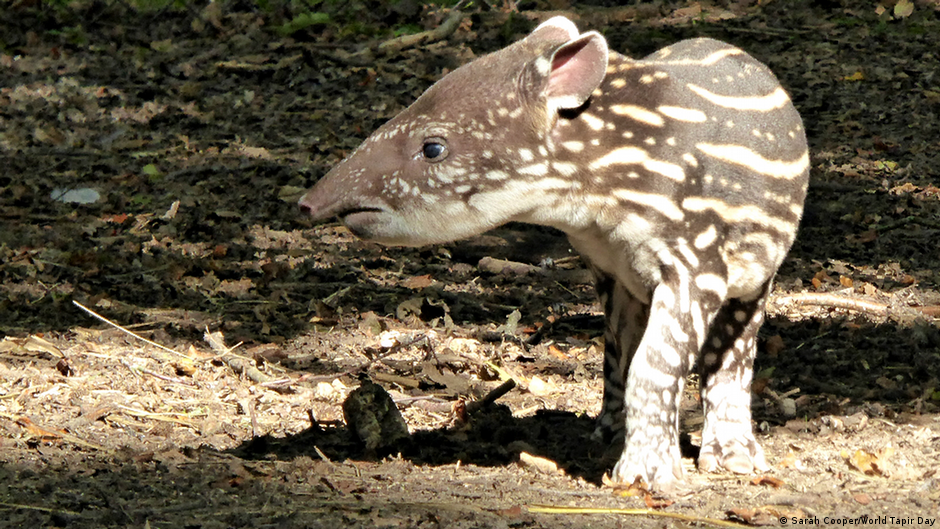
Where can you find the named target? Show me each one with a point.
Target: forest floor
(151, 166)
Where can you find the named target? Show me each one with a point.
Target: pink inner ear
(570, 71)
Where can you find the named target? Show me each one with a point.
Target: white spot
(706, 238)
(669, 170)
(712, 283)
(565, 168)
(573, 146)
(538, 169)
(689, 115)
(622, 155)
(543, 65)
(526, 155)
(592, 121)
(687, 253)
(638, 113)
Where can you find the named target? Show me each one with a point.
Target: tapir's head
(474, 151)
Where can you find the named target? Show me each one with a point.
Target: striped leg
(727, 369)
(626, 319)
(680, 312)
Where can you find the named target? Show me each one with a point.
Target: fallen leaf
(627, 490)
(418, 282)
(656, 503)
(774, 345)
(903, 8)
(768, 480)
(857, 76)
(871, 464)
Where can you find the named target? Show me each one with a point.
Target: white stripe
(740, 155)
(772, 101)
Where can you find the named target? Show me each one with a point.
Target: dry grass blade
(126, 331)
(38, 508)
(552, 509)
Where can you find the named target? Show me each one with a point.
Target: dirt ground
(198, 129)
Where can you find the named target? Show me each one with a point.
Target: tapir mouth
(354, 211)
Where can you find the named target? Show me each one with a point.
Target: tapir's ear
(574, 70)
(555, 29)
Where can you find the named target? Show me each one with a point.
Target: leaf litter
(199, 131)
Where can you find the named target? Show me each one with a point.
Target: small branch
(239, 364)
(366, 55)
(446, 29)
(491, 397)
(827, 299)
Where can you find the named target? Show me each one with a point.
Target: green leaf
(152, 171)
(903, 8)
(302, 21)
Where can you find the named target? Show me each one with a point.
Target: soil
(198, 128)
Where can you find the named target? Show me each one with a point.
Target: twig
(552, 509)
(366, 55)
(491, 397)
(239, 364)
(446, 29)
(135, 335)
(827, 299)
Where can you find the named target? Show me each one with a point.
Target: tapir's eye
(434, 150)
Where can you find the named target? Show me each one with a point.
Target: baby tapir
(679, 178)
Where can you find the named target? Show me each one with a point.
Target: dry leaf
(774, 345)
(768, 480)
(656, 503)
(418, 282)
(627, 490)
(857, 76)
(869, 463)
(862, 498)
(903, 8)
